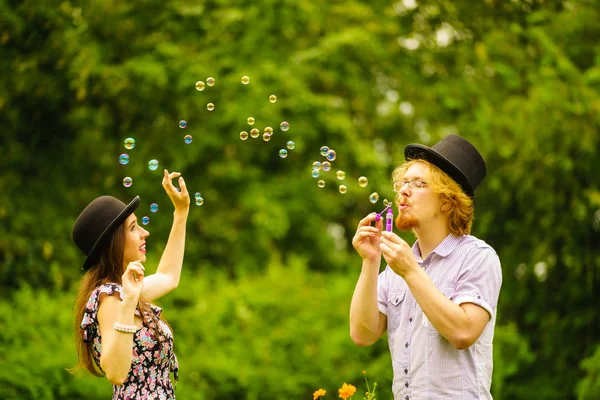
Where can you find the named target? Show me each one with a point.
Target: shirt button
(406, 398)
(478, 297)
(406, 344)
(406, 384)
(406, 370)
(410, 319)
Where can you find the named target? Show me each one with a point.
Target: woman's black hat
(96, 224)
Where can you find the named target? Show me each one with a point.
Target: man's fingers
(366, 221)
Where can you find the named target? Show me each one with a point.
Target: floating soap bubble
(266, 137)
(331, 155)
(374, 197)
(187, 139)
(152, 165)
(210, 81)
(321, 183)
(284, 126)
(315, 173)
(341, 175)
(145, 220)
(316, 165)
(154, 207)
(272, 98)
(124, 158)
(324, 150)
(127, 181)
(243, 135)
(210, 106)
(254, 133)
(291, 145)
(363, 181)
(251, 121)
(385, 202)
(129, 143)
(197, 195)
(200, 86)
(343, 189)
(283, 153)
(182, 124)
(326, 166)
(268, 130)
(245, 80)
(199, 201)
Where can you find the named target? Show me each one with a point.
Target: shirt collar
(443, 249)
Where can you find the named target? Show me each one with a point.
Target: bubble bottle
(389, 219)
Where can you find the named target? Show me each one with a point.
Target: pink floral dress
(151, 363)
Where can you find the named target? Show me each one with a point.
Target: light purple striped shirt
(426, 366)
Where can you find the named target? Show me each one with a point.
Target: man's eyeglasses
(416, 184)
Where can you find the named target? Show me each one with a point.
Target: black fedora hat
(454, 155)
(96, 224)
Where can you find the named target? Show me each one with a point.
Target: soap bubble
(124, 158)
(343, 189)
(385, 202)
(283, 153)
(254, 133)
(316, 165)
(321, 183)
(127, 181)
(363, 181)
(199, 201)
(245, 80)
(251, 121)
(341, 175)
(243, 135)
(331, 155)
(272, 98)
(284, 126)
(266, 137)
(145, 220)
(199, 86)
(154, 207)
(324, 150)
(291, 145)
(187, 139)
(315, 173)
(326, 166)
(210, 106)
(374, 197)
(197, 195)
(129, 143)
(182, 124)
(210, 81)
(152, 165)
(268, 130)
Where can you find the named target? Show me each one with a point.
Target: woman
(117, 327)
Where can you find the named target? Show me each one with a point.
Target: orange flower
(318, 393)
(346, 391)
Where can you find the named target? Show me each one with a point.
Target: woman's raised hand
(181, 198)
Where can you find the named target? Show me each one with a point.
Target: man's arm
(367, 324)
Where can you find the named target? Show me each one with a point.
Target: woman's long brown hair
(108, 269)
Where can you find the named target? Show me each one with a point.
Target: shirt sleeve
(383, 284)
(480, 280)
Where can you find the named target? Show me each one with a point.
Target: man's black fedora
(454, 155)
(96, 224)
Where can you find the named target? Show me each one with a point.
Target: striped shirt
(426, 366)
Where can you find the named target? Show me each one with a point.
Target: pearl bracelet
(125, 328)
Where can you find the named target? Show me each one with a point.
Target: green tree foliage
(520, 79)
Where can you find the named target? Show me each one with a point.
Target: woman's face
(134, 247)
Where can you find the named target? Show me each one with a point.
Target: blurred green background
(262, 309)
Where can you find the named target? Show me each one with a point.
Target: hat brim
(422, 152)
(107, 233)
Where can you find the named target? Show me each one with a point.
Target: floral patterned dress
(152, 362)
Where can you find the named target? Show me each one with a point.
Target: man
(438, 299)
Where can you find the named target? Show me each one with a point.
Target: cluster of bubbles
(198, 198)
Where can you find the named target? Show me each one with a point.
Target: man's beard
(405, 222)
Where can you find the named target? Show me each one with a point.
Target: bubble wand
(378, 217)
